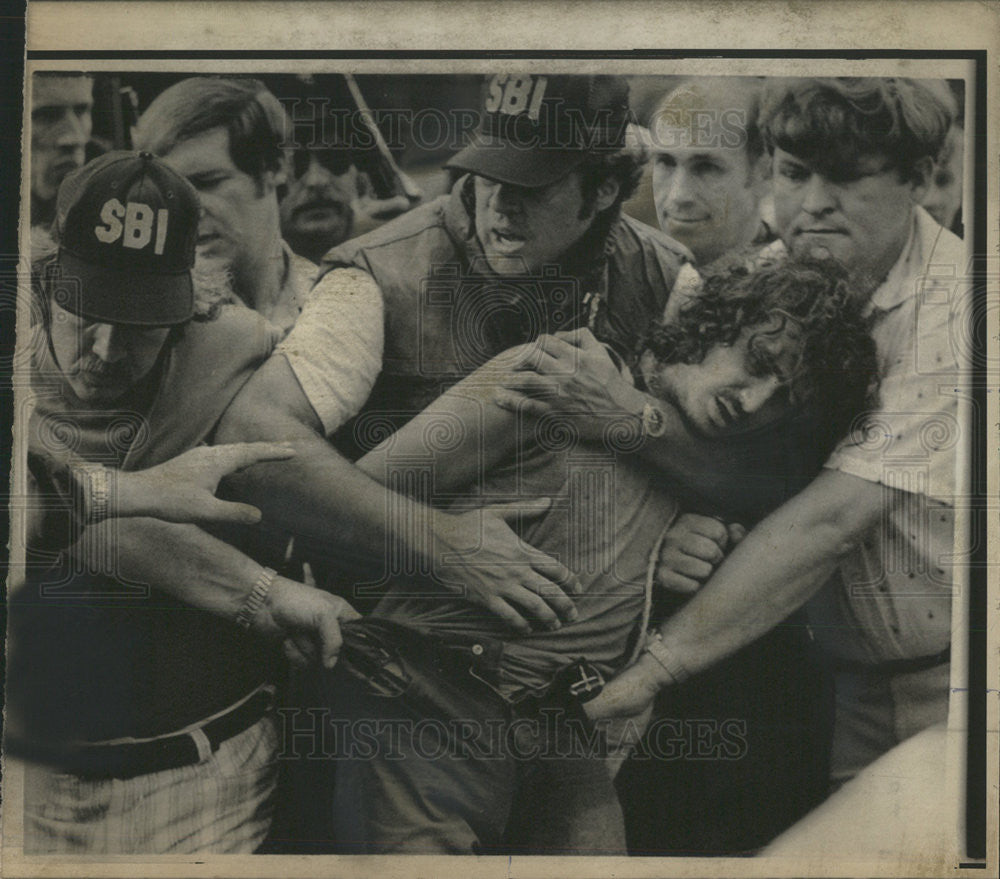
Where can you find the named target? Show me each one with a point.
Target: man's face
(522, 230)
(735, 388)
(707, 198)
(318, 205)
(99, 361)
(239, 215)
(863, 222)
(60, 128)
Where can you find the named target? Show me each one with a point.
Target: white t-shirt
(335, 347)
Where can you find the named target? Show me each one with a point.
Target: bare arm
(462, 434)
(777, 567)
(572, 373)
(196, 568)
(321, 495)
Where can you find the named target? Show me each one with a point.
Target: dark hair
(832, 123)
(837, 371)
(254, 118)
(625, 166)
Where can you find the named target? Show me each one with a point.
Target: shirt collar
(898, 284)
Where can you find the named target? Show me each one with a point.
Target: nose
(505, 198)
(818, 198)
(681, 188)
(315, 174)
(756, 396)
(72, 130)
(109, 342)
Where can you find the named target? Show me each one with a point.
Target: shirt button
(477, 649)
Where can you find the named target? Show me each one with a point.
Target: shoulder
(421, 220)
(629, 235)
(234, 333)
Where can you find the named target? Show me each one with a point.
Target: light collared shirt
(891, 598)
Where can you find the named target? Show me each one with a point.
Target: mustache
(100, 369)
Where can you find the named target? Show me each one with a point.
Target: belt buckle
(583, 681)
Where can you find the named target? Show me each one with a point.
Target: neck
(876, 273)
(259, 277)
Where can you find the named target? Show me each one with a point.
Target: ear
(607, 192)
(279, 176)
(760, 174)
(921, 182)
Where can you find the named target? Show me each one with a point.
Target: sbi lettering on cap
(127, 226)
(535, 129)
(133, 225)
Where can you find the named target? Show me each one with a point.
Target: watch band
(654, 423)
(256, 598)
(656, 648)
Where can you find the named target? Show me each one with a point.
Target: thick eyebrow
(694, 157)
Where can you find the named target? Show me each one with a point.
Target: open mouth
(728, 415)
(317, 210)
(506, 241)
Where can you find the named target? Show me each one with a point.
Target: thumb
(228, 511)
(236, 456)
(736, 533)
(510, 512)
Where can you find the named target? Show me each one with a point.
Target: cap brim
(116, 296)
(507, 162)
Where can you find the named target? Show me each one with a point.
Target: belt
(893, 666)
(127, 759)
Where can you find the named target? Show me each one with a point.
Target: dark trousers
(733, 756)
(439, 763)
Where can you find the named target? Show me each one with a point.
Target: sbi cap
(535, 129)
(127, 226)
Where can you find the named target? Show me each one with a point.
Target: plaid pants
(222, 805)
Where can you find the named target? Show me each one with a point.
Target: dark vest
(447, 313)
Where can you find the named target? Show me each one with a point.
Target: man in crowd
(142, 668)
(530, 240)
(228, 137)
(710, 169)
(786, 336)
(867, 542)
(330, 197)
(61, 123)
(711, 176)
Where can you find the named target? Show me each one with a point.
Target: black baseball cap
(127, 226)
(535, 129)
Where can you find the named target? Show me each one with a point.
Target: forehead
(725, 157)
(204, 151)
(564, 187)
(863, 165)
(61, 91)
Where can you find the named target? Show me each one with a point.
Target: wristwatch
(670, 664)
(654, 423)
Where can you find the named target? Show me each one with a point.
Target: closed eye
(207, 182)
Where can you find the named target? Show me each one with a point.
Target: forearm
(781, 563)
(710, 471)
(461, 435)
(180, 560)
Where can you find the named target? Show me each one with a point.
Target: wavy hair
(836, 375)
(832, 123)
